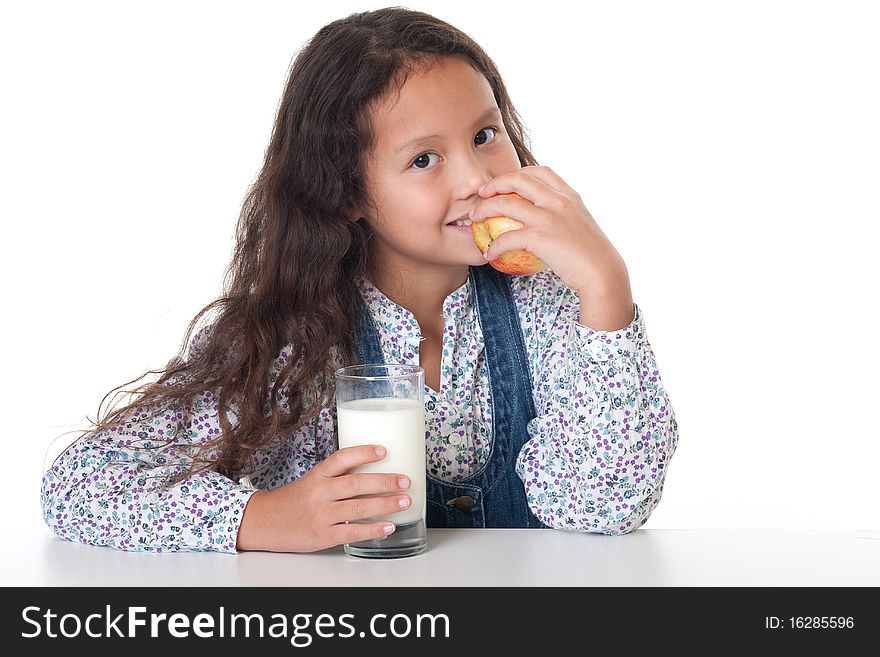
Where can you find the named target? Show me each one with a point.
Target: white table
(482, 557)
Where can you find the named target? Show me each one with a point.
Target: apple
(516, 263)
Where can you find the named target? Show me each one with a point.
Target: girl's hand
(310, 513)
(558, 228)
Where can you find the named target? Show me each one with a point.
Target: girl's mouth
(462, 225)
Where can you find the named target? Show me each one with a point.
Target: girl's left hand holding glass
(311, 512)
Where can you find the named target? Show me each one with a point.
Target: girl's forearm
(607, 308)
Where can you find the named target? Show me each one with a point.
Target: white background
(728, 150)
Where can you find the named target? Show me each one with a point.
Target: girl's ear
(353, 213)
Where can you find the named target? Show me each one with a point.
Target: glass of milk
(385, 405)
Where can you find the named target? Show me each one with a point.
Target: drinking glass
(384, 404)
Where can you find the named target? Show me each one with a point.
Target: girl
(544, 405)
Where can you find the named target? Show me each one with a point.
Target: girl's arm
(605, 431)
(108, 489)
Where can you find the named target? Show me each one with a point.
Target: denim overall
(494, 496)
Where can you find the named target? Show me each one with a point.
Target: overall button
(463, 503)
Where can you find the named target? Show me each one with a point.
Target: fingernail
(482, 188)
(486, 257)
(380, 451)
(404, 482)
(471, 213)
(404, 502)
(388, 528)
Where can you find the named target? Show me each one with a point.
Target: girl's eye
(424, 157)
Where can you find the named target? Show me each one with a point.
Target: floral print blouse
(596, 460)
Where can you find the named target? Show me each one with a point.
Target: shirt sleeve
(605, 430)
(110, 489)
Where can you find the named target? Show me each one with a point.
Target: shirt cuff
(587, 345)
(240, 499)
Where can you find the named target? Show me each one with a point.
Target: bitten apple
(516, 263)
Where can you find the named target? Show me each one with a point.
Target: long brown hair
(290, 285)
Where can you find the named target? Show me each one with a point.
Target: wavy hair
(291, 280)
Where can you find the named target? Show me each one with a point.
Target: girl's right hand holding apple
(310, 513)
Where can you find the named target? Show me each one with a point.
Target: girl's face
(419, 187)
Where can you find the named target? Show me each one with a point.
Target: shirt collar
(395, 318)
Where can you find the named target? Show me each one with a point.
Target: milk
(399, 425)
